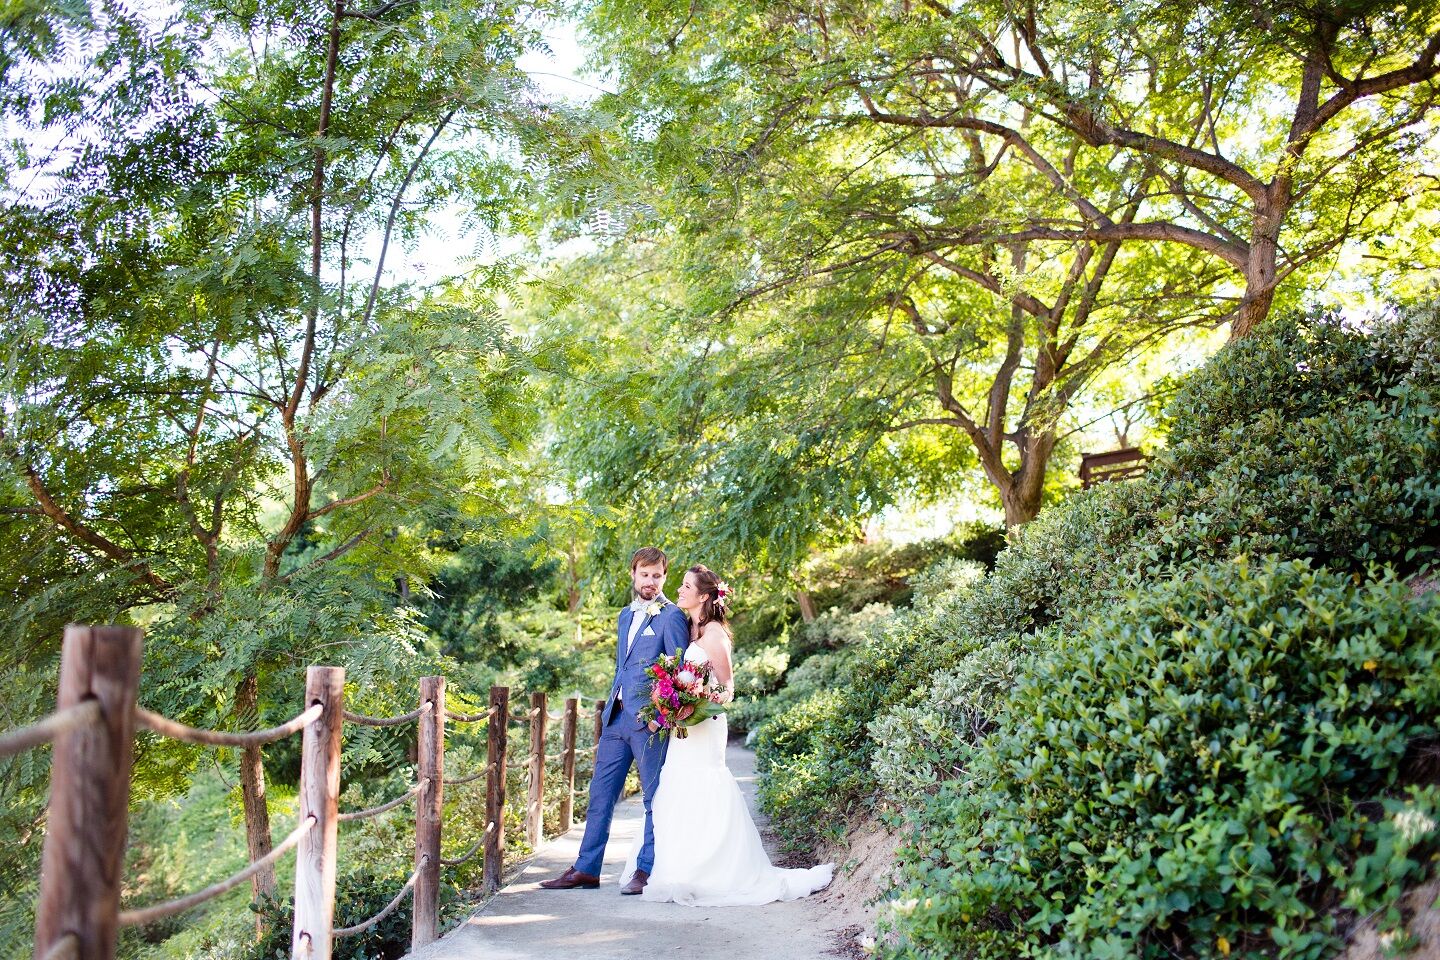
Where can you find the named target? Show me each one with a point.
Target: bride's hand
(654, 727)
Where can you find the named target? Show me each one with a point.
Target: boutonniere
(654, 609)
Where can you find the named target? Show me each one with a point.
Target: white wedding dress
(708, 851)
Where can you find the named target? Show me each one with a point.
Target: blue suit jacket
(667, 632)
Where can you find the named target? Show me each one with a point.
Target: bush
(1310, 440)
(856, 575)
(760, 671)
(838, 628)
(824, 671)
(957, 615)
(360, 894)
(1313, 440)
(1212, 765)
(795, 786)
(920, 745)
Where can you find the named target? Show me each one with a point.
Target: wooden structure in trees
(1111, 465)
(78, 916)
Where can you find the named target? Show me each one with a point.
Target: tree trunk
(1260, 270)
(1022, 490)
(252, 792)
(574, 599)
(1021, 505)
(807, 605)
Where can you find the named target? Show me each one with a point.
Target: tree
(965, 214)
(218, 405)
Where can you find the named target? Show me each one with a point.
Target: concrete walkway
(524, 922)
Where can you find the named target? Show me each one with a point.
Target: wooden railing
(92, 729)
(1111, 465)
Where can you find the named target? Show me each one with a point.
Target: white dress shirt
(637, 617)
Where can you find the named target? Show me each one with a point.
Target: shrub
(956, 617)
(760, 671)
(920, 745)
(795, 787)
(1213, 764)
(1311, 439)
(856, 575)
(1314, 440)
(943, 576)
(823, 671)
(820, 744)
(360, 894)
(838, 628)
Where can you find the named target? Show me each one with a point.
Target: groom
(648, 627)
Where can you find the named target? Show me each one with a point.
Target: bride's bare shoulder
(716, 634)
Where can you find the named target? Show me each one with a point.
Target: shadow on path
(524, 922)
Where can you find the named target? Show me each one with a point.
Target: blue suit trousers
(623, 741)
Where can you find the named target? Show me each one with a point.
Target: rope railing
(481, 717)
(92, 731)
(461, 781)
(48, 728)
(130, 918)
(222, 738)
(367, 721)
(389, 908)
(66, 948)
(369, 812)
(468, 855)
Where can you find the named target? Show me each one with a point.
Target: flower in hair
(722, 594)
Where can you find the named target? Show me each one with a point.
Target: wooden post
(425, 922)
(319, 798)
(89, 794)
(535, 811)
(567, 747)
(498, 730)
(599, 721)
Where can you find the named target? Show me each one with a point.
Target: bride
(707, 848)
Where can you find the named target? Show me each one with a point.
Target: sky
(445, 250)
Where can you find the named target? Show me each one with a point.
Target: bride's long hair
(716, 609)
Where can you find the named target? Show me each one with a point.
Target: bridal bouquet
(681, 695)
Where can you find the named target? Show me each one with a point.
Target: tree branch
(1423, 68)
(958, 121)
(338, 552)
(1232, 253)
(90, 537)
(1027, 302)
(395, 210)
(350, 501)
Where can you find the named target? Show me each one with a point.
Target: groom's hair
(649, 556)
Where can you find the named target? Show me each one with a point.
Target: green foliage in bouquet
(673, 705)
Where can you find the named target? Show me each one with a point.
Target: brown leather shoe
(572, 879)
(636, 884)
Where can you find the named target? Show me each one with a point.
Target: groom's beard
(647, 592)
